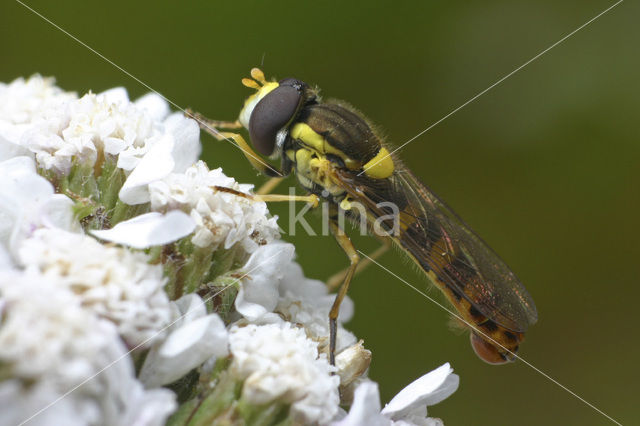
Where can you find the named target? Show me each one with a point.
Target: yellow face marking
(252, 101)
(381, 166)
(309, 137)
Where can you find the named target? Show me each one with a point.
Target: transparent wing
(441, 242)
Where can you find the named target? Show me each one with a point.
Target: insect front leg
(214, 124)
(346, 245)
(211, 127)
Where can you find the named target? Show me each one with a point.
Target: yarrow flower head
(97, 126)
(22, 100)
(115, 283)
(102, 148)
(222, 218)
(277, 362)
(276, 287)
(66, 347)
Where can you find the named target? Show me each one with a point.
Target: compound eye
(271, 114)
(294, 82)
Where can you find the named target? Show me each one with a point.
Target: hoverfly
(337, 156)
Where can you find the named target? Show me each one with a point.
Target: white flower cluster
(68, 304)
(60, 129)
(278, 362)
(65, 364)
(70, 307)
(76, 313)
(20, 102)
(276, 288)
(113, 282)
(221, 218)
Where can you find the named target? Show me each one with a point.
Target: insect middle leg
(269, 185)
(311, 198)
(346, 245)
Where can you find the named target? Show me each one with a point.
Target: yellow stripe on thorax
(379, 167)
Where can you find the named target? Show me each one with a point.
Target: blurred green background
(545, 166)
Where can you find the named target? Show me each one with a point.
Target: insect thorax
(313, 173)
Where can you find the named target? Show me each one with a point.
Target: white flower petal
(10, 135)
(429, 389)
(190, 307)
(365, 409)
(154, 105)
(28, 202)
(115, 95)
(150, 229)
(185, 348)
(114, 146)
(18, 404)
(5, 264)
(150, 407)
(206, 336)
(156, 164)
(259, 293)
(187, 134)
(57, 212)
(308, 302)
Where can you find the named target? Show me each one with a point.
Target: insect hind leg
(346, 245)
(334, 281)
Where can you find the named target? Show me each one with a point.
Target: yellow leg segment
(255, 160)
(346, 245)
(334, 281)
(211, 126)
(311, 198)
